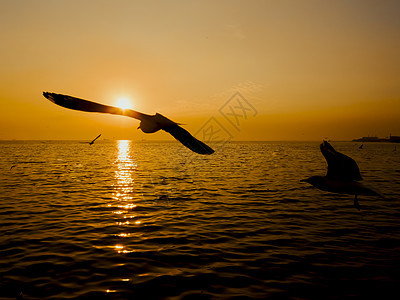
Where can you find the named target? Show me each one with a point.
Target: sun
(123, 102)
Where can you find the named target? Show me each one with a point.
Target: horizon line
(150, 140)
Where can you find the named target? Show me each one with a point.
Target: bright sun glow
(123, 103)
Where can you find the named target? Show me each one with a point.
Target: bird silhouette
(343, 176)
(92, 142)
(148, 123)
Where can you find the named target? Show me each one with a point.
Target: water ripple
(123, 220)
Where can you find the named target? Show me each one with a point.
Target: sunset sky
(308, 69)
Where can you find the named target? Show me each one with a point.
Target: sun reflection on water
(124, 188)
(124, 182)
(124, 174)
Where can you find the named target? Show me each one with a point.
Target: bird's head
(148, 126)
(317, 181)
(154, 123)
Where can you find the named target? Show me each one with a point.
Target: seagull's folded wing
(340, 166)
(188, 140)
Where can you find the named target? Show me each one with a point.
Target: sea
(125, 219)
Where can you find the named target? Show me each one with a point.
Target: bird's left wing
(188, 140)
(90, 106)
(340, 166)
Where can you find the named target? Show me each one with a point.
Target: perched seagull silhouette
(92, 142)
(148, 123)
(343, 176)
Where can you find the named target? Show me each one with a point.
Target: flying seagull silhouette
(343, 176)
(148, 123)
(92, 142)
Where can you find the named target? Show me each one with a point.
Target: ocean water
(141, 220)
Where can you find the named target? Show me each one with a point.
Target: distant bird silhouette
(361, 146)
(343, 176)
(148, 123)
(92, 142)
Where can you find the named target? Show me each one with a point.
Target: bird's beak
(303, 180)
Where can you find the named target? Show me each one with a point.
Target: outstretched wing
(86, 105)
(95, 139)
(340, 166)
(188, 140)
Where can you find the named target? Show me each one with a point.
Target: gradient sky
(311, 69)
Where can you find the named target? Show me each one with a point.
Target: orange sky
(310, 69)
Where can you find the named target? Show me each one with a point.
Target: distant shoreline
(232, 141)
(374, 139)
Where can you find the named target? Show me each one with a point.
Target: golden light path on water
(124, 189)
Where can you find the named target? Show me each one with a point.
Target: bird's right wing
(188, 140)
(89, 106)
(340, 166)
